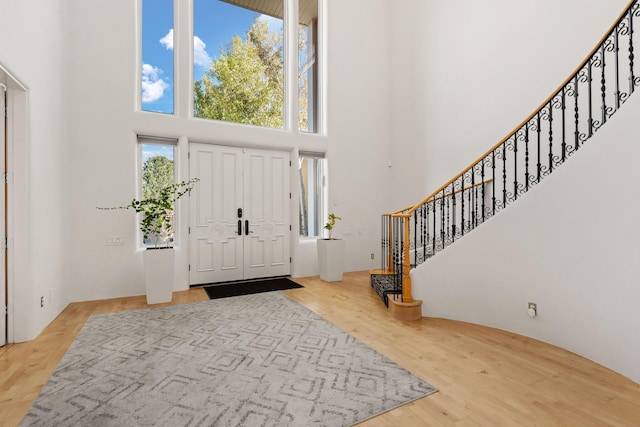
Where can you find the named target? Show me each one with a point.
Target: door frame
(16, 284)
(245, 150)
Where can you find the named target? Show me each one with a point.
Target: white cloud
(167, 40)
(153, 86)
(200, 55)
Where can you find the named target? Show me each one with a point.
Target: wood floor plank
(485, 377)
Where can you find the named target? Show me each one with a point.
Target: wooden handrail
(411, 210)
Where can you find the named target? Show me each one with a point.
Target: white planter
(158, 274)
(331, 259)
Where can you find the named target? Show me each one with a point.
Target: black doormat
(250, 287)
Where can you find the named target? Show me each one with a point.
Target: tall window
(311, 183)
(239, 61)
(156, 169)
(308, 66)
(157, 56)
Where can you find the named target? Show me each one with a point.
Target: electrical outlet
(372, 256)
(42, 301)
(533, 305)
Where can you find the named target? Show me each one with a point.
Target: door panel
(250, 186)
(216, 247)
(266, 196)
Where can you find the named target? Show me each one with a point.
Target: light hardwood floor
(485, 377)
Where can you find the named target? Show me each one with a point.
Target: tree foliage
(157, 173)
(245, 84)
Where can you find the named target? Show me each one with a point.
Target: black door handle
(239, 228)
(246, 227)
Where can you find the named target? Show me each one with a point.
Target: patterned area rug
(256, 360)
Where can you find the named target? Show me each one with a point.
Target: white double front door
(240, 221)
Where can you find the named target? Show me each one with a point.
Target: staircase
(562, 124)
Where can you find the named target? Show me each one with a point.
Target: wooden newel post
(406, 265)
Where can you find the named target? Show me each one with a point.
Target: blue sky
(215, 23)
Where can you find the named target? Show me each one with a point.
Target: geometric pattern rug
(255, 360)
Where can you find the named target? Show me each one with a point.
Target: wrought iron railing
(532, 151)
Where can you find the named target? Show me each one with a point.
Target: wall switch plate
(115, 241)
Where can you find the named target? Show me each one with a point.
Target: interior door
(239, 225)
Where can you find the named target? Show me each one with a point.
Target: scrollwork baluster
(526, 156)
(550, 137)
(590, 96)
(616, 65)
(576, 114)
(632, 85)
(539, 133)
(603, 87)
(563, 107)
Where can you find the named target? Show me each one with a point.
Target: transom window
(239, 62)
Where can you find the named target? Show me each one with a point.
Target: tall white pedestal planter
(158, 274)
(331, 259)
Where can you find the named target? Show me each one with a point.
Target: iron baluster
(632, 84)
(504, 174)
(539, 132)
(442, 225)
(563, 106)
(515, 166)
(425, 230)
(590, 96)
(470, 214)
(474, 216)
(616, 65)
(550, 137)
(434, 227)
(482, 191)
(576, 115)
(603, 88)
(448, 210)
(526, 156)
(462, 205)
(453, 203)
(493, 184)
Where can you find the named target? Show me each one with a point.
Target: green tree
(157, 174)
(245, 84)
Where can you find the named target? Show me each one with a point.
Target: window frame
(319, 197)
(161, 142)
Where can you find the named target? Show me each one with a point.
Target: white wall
(568, 245)
(104, 54)
(467, 72)
(31, 49)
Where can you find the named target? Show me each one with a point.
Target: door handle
(239, 228)
(246, 227)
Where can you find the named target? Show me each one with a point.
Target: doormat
(250, 287)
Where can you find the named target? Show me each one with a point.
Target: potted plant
(331, 253)
(156, 226)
